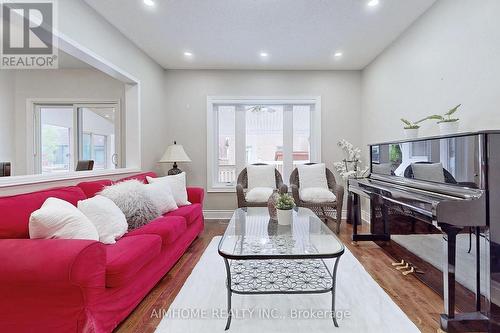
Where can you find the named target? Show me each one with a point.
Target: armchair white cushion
(261, 176)
(316, 195)
(312, 176)
(259, 194)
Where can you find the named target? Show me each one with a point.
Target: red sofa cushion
(140, 177)
(168, 228)
(92, 188)
(15, 210)
(125, 258)
(190, 212)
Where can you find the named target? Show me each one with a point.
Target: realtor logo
(28, 40)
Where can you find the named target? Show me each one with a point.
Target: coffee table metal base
(279, 276)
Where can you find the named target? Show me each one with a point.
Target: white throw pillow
(177, 185)
(261, 176)
(431, 172)
(259, 194)
(61, 220)
(106, 216)
(312, 176)
(134, 201)
(162, 196)
(316, 195)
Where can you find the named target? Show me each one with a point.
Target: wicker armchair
(325, 210)
(242, 186)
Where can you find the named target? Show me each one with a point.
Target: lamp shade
(175, 153)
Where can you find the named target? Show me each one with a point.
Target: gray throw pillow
(132, 198)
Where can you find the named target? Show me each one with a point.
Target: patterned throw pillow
(132, 198)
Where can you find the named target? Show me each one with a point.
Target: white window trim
(266, 100)
(32, 130)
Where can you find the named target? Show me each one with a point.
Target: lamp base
(174, 171)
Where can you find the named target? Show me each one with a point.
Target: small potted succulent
(447, 123)
(284, 209)
(411, 128)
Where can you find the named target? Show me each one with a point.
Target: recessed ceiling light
(264, 54)
(188, 54)
(337, 54)
(149, 3)
(373, 3)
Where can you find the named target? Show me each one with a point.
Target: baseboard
(210, 214)
(215, 214)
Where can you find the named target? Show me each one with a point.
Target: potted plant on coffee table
(284, 209)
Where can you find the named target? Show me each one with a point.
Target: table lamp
(174, 153)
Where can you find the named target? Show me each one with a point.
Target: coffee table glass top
(252, 235)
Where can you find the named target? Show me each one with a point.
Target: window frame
(34, 146)
(238, 101)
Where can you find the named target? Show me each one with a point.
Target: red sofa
(56, 285)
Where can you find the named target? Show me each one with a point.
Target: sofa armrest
(61, 262)
(195, 194)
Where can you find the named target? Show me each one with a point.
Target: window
(56, 134)
(65, 134)
(283, 132)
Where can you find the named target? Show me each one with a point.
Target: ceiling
(231, 34)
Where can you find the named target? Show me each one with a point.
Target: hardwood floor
(420, 303)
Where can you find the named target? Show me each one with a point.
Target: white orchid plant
(350, 166)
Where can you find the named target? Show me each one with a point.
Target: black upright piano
(435, 202)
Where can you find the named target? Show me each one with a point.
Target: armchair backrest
(330, 178)
(243, 177)
(4, 169)
(85, 165)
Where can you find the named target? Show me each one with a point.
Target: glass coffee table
(263, 257)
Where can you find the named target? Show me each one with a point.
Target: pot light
(373, 3)
(149, 3)
(338, 54)
(264, 54)
(188, 54)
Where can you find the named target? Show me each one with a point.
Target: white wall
(186, 92)
(7, 82)
(449, 56)
(47, 84)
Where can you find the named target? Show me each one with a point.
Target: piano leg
(449, 270)
(451, 322)
(350, 210)
(478, 269)
(356, 214)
